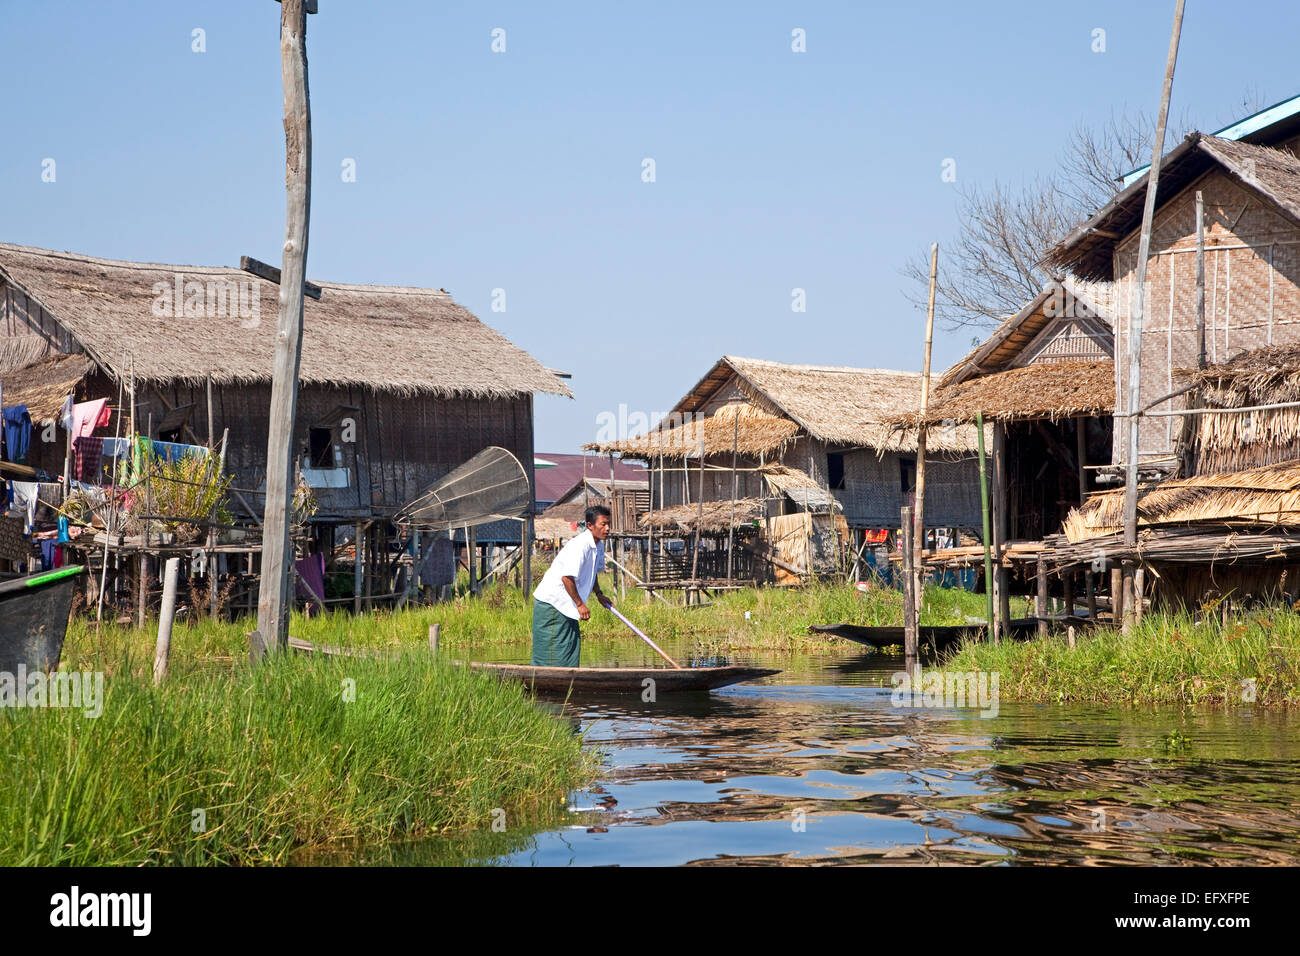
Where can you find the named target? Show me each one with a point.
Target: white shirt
(581, 559)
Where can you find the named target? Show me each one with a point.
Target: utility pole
(1135, 325)
(274, 600)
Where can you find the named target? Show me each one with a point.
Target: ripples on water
(817, 767)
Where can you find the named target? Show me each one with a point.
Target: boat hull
(34, 621)
(623, 680)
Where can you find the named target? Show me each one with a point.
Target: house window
(907, 474)
(835, 471)
(321, 447)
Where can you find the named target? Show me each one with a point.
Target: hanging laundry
(88, 452)
(88, 416)
(23, 496)
(116, 447)
(17, 432)
(174, 451)
(47, 554)
(63, 530)
(310, 583)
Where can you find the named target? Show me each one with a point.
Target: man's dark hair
(595, 511)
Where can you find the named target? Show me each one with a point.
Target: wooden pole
(212, 437)
(699, 520)
(1139, 299)
(1090, 594)
(142, 578)
(1116, 595)
(274, 598)
(1081, 455)
(1002, 602)
(528, 559)
(471, 556)
(162, 650)
(988, 529)
(1200, 280)
(358, 546)
(735, 490)
(918, 563)
(1139, 580)
(212, 532)
(435, 631)
(911, 619)
(1040, 597)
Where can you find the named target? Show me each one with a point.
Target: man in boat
(559, 602)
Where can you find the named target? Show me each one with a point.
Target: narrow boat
(936, 636)
(34, 618)
(623, 680)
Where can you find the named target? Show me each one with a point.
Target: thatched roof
(847, 407)
(799, 487)
(1273, 174)
(1262, 497)
(753, 431)
(1019, 336)
(42, 386)
(1053, 390)
(1257, 377)
(717, 516)
(389, 338)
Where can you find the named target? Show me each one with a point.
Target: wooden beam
(271, 274)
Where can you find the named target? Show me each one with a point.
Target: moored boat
(34, 618)
(623, 680)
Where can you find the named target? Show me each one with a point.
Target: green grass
(276, 758)
(1167, 659)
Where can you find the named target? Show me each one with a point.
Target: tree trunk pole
(274, 601)
(911, 615)
(735, 490)
(1139, 301)
(918, 562)
(162, 649)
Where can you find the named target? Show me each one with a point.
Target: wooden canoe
(623, 680)
(936, 636)
(34, 618)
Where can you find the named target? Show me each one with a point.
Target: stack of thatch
(1234, 442)
(1267, 497)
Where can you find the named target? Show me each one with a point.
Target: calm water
(817, 765)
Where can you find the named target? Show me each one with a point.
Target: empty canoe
(623, 680)
(34, 618)
(937, 636)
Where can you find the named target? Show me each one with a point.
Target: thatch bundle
(388, 338)
(717, 516)
(1233, 442)
(752, 430)
(1267, 497)
(1052, 390)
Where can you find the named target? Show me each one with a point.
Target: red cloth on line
(89, 453)
(88, 416)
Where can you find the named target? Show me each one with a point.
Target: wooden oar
(641, 634)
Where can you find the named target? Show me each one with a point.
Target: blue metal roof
(1242, 128)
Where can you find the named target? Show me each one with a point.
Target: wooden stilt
(911, 615)
(1040, 598)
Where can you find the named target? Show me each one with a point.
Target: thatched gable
(43, 386)
(1273, 174)
(1050, 392)
(388, 338)
(749, 430)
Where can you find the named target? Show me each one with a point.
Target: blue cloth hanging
(17, 432)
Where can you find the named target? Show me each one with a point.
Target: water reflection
(817, 767)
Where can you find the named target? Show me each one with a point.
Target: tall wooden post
(1139, 304)
(163, 647)
(471, 556)
(528, 559)
(1040, 597)
(274, 598)
(918, 562)
(1001, 582)
(735, 490)
(358, 565)
(988, 529)
(911, 613)
(1200, 280)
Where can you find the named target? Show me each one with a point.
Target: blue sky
(522, 170)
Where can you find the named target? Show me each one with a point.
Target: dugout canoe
(939, 637)
(623, 680)
(34, 618)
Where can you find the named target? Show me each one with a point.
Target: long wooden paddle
(641, 634)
